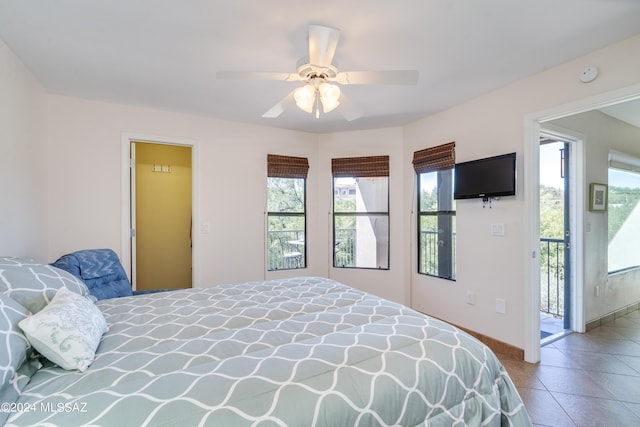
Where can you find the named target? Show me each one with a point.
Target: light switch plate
(497, 230)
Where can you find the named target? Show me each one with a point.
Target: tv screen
(484, 178)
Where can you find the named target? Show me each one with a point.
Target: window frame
(286, 167)
(437, 160)
(361, 214)
(447, 262)
(361, 168)
(619, 167)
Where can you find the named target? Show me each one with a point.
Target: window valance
(287, 166)
(360, 167)
(434, 159)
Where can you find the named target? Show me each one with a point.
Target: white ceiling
(626, 111)
(164, 54)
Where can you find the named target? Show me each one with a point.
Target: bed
(305, 351)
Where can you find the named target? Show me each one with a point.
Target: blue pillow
(101, 271)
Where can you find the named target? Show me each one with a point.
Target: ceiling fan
(319, 76)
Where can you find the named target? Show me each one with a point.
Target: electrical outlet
(501, 306)
(497, 230)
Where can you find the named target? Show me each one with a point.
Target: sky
(550, 165)
(550, 170)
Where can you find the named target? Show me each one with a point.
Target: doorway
(556, 213)
(161, 215)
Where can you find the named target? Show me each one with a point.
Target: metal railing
(429, 247)
(345, 247)
(552, 276)
(286, 249)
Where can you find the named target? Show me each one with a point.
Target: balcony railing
(552, 276)
(286, 249)
(429, 246)
(345, 247)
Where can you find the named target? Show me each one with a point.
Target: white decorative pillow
(67, 331)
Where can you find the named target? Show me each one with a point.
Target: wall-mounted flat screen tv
(485, 178)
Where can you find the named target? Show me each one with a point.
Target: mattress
(305, 351)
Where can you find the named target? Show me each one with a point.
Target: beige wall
(163, 216)
(23, 160)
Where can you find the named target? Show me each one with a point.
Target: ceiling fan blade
(392, 77)
(348, 109)
(322, 44)
(256, 75)
(279, 108)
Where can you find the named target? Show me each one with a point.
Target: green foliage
(551, 212)
(429, 200)
(551, 253)
(285, 195)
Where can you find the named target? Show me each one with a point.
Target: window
(361, 212)
(436, 211)
(623, 207)
(286, 212)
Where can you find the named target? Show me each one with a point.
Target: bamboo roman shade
(360, 167)
(287, 166)
(433, 159)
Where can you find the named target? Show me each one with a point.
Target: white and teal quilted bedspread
(295, 352)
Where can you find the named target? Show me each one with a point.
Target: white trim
(531, 202)
(125, 193)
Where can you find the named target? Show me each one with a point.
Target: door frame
(126, 193)
(532, 123)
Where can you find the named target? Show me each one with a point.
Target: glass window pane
(285, 233)
(623, 219)
(361, 194)
(437, 224)
(285, 195)
(361, 241)
(428, 192)
(285, 242)
(436, 191)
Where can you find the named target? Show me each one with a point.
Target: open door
(556, 219)
(161, 216)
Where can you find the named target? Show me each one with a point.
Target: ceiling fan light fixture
(305, 97)
(329, 96)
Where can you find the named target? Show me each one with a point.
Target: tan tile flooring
(590, 379)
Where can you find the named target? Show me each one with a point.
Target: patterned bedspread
(296, 352)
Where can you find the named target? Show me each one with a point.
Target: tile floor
(590, 379)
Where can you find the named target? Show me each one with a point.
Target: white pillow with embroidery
(67, 331)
